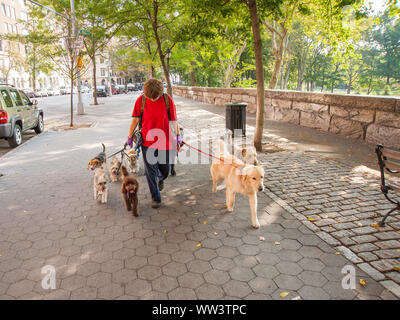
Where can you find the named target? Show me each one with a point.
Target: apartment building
(11, 53)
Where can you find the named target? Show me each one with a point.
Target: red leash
(210, 155)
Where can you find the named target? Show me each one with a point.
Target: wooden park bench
(389, 160)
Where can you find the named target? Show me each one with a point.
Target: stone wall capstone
(370, 118)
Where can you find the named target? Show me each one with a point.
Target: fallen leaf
(261, 238)
(375, 225)
(84, 217)
(198, 245)
(397, 268)
(80, 229)
(311, 219)
(340, 222)
(284, 294)
(215, 233)
(363, 282)
(337, 253)
(196, 213)
(51, 219)
(217, 205)
(359, 224)
(277, 243)
(165, 231)
(204, 222)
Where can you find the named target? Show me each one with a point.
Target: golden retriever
(239, 178)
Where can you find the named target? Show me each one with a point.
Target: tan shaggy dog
(115, 170)
(239, 178)
(133, 161)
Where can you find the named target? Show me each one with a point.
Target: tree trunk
(255, 24)
(287, 75)
(94, 81)
(71, 124)
(192, 74)
(154, 23)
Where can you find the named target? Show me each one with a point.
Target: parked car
(115, 90)
(121, 88)
(65, 90)
(30, 93)
(41, 93)
(18, 114)
(85, 89)
(51, 92)
(102, 91)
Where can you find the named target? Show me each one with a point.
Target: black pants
(157, 167)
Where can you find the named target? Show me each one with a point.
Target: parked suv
(17, 115)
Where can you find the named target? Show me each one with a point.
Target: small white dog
(100, 188)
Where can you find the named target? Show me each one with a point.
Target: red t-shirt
(156, 131)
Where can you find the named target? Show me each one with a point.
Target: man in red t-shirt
(158, 140)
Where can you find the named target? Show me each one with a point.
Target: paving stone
(138, 288)
(174, 269)
(191, 280)
(165, 284)
(313, 293)
(262, 285)
(288, 267)
(241, 274)
(237, 288)
(221, 263)
(198, 266)
(216, 277)
(159, 259)
(149, 272)
(313, 278)
(99, 279)
(289, 282)
(183, 294)
(111, 291)
(209, 291)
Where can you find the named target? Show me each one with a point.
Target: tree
(14, 60)
(103, 22)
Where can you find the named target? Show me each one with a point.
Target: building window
(103, 72)
(1, 45)
(101, 60)
(3, 7)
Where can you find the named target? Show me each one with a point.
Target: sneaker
(155, 204)
(161, 185)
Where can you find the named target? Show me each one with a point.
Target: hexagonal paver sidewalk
(190, 248)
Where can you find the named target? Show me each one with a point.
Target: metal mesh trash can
(236, 117)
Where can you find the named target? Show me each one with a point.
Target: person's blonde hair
(153, 89)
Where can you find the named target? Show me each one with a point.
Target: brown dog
(129, 190)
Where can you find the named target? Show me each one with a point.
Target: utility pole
(79, 107)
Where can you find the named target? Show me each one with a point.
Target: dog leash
(210, 155)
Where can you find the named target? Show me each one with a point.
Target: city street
(190, 248)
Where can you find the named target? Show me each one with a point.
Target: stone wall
(369, 118)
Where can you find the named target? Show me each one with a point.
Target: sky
(377, 5)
